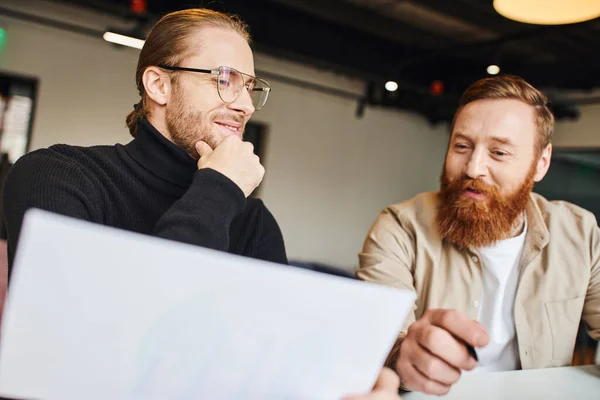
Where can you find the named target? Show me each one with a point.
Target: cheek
(507, 179)
(453, 166)
(212, 108)
(205, 101)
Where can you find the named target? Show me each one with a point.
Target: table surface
(551, 383)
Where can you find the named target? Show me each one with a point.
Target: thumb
(203, 149)
(388, 381)
(386, 387)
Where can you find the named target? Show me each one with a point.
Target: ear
(157, 85)
(543, 164)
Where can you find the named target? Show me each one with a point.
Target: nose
(243, 103)
(476, 166)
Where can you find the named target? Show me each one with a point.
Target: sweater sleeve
(203, 215)
(48, 181)
(269, 245)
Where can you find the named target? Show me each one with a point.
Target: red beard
(466, 222)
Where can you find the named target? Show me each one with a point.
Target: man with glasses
(186, 175)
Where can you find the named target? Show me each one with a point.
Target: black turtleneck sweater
(149, 186)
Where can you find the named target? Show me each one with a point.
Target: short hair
(513, 87)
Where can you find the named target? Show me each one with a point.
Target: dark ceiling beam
(562, 74)
(362, 18)
(484, 50)
(110, 7)
(305, 37)
(345, 47)
(36, 19)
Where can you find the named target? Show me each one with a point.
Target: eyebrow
(461, 136)
(502, 140)
(497, 139)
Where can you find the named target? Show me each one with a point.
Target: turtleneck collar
(160, 156)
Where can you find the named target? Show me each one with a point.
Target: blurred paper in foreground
(99, 313)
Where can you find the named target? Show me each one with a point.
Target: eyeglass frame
(218, 72)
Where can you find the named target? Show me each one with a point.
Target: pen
(471, 351)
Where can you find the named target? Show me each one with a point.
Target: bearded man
(494, 266)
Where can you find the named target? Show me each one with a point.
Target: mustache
(478, 185)
(230, 117)
(474, 184)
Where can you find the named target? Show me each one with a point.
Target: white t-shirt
(500, 264)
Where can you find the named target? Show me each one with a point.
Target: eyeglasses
(230, 83)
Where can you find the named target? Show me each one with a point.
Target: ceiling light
(548, 12)
(123, 40)
(391, 86)
(493, 69)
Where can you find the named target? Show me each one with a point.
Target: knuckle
(429, 387)
(402, 356)
(442, 390)
(405, 348)
(429, 312)
(402, 367)
(411, 330)
(416, 327)
(432, 387)
(469, 364)
(457, 375)
(448, 316)
(430, 368)
(430, 335)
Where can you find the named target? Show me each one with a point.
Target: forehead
(215, 47)
(506, 118)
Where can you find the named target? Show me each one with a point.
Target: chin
(214, 141)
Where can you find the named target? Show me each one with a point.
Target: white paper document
(100, 313)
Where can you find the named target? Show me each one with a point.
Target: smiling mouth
(234, 129)
(476, 194)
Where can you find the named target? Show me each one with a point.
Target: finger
(250, 146)
(203, 149)
(433, 367)
(460, 326)
(233, 138)
(442, 344)
(386, 387)
(387, 381)
(414, 380)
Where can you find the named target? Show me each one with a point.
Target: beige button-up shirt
(559, 272)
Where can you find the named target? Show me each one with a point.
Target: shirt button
(474, 258)
(475, 304)
(526, 352)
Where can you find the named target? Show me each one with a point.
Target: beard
(188, 125)
(466, 222)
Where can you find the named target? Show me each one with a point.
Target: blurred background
(363, 93)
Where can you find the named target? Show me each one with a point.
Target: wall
(328, 173)
(585, 132)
